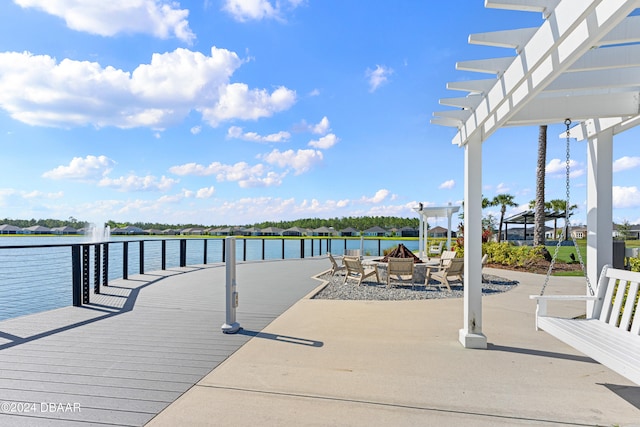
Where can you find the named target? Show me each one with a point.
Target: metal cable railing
(36, 278)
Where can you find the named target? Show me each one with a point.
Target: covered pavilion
(582, 63)
(527, 218)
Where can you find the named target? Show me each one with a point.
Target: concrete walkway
(399, 363)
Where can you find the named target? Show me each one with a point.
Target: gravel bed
(370, 290)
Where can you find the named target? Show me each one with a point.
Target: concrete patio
(400, 363)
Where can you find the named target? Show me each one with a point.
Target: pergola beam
(569, 32)
(543, 6)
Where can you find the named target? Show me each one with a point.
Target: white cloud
(237, 101)
(246, 10)
(325, 142)
(378, 197)
(205, 193)
(300, 161)
(160, 18)
(502, 188)
(37, 90)
(557, 168)
(626, 162)
(323, 127)
(196, 130)
(36, 194)
(90, 167)
(256, 10)
(447, 185)
(626, 197)
(237, 133)
(241, 172)
(378, 77)
(138, 183)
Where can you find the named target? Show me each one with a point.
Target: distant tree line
(359, 223)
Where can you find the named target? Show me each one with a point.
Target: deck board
(141, 343)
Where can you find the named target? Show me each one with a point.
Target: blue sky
(241, 111)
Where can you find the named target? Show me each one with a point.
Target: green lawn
(564, 252)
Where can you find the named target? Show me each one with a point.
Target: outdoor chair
(352, 253)
(355, 270)
(445, 257)
(435, 250)
(454, 269)
(400, 267)
(485, 259)
(334, 265)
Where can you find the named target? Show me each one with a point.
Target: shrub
(635, 264)
(506, 254)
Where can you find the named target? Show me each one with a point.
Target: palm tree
(558, 206)
(538, 227)
(502, 200)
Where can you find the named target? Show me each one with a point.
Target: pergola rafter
(582, 63)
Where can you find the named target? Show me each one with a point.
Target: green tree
(502, 200)
(539, 213)
(560, 206)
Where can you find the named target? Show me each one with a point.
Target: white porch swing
(610, 334)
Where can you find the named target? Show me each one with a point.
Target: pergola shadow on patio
(582, 63)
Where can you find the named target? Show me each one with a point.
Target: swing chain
(567, 222)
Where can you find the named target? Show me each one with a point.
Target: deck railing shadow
(281, 338)
(99, 305)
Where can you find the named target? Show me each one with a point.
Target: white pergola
(433, 212)
(582, 63)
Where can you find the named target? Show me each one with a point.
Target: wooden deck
(139, 345)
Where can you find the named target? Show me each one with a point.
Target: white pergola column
(599, 205)
(421, 236)
(471, 335)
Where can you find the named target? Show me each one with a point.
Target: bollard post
(231, 326)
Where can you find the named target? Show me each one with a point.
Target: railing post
(224, 250)
(85, 274)
(141, 257)
(379, 242)
(125, 260)
(183, 253)
(205, 251)
(76, 275)
(282, 248)
(244, 249)
(302, 248)
(105, 264)
(263, 244)
(96, 268)
(231, 326)
(163, 261)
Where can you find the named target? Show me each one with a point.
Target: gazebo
(582, 63)
(433, 212)
(527, 218)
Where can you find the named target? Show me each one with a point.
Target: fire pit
(401, 252)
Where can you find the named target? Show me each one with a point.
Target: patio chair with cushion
(454, 269)
(334, 265)
(355, 270)
(400, 267)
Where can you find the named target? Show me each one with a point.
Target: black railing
(34, 277)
